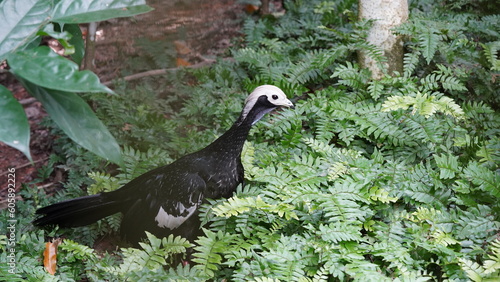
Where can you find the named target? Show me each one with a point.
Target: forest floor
(196, 28)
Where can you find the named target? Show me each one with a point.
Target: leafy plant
(387, 180)
(50, 78)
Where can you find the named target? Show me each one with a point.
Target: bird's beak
(287, 103)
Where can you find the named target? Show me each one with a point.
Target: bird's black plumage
(165, 200)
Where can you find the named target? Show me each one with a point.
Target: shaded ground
(195, 28)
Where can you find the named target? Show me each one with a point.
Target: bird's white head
(268, 98)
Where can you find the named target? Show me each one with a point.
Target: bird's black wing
(167, 202)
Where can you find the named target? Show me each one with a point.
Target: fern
(152, 256)
(483, 178)
(77, 251)
(375, 89)
(448, 82)
(235, 206)
(424, 105)
(349, 75)
(410, 61)
(209, 250)
(137, 163)
(384, 129)
(394, 179)
(490, 51)
(448, 166)
(339, 232)
(489, 271)
(103, 183)
(428, 41)
(161, 53)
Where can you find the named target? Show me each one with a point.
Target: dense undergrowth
(395, 179)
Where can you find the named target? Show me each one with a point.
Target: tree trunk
(386, 14)
(264, 9)
(88, 61)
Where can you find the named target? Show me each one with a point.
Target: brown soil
(197, 28)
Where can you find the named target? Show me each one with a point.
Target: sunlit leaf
(14, 126)
(20, 22)
(74, 116)
(84, 11)
(43, 67)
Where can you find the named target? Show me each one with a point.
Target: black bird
(165, 200)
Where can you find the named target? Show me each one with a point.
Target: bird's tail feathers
(78, 212)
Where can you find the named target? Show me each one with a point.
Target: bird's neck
(231, 142)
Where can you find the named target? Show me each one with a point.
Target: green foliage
(152, 256)
(52, 79)
(423, 105)
(489, 271)
(387, 180)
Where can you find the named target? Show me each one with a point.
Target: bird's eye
(275, 97)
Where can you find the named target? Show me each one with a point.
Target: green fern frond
(273, 175)
(339, 231)
(151, 256)
(383, 128)
(381, 195)
(319, 146)
(424, 104)
(492, 265)
(410, 62)
(434, 80)
(489, 152)
(248, 161)
(175, 245)
(208, 251)
(103, 183)
(375, 89)
(443, 238)
(337, 169)
(474, 271)
(137, 162)
(254, 31)
(235, 206)
(372, 51)
(350, 75)
(428, 41)
(451, 83)
(183, 273)
(343, 203)
(266, 279)
(77, 250)
(327, 57)
(448, 165)
(475, 220)
(490, 51)
(483, 178)
(489, 271)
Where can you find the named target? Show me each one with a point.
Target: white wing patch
(171, 222)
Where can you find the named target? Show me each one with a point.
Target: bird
(166, 200)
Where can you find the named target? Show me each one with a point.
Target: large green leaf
(76, 41)
(84, 11)
(74, 116)
(14, 126)
(20, 21)
(44, 67)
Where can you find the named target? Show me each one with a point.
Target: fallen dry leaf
(50, 256)
(182, 63)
